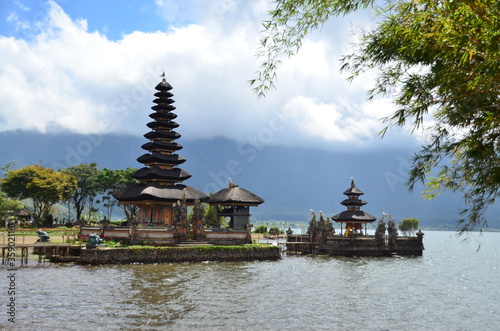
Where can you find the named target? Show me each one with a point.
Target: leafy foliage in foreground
(440, 63)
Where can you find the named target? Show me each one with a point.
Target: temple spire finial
(352, 183)
(231, 183)
(163, 79)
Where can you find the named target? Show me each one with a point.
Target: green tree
(408, 226)
(110, 181)
(87, 187)
(43, 186)
(261, 229)
(8, 207)
(211, 218)
(275, 231)
(439, 61)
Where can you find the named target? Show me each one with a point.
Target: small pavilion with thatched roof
(24, 214)
(353, 217)
(235, 202)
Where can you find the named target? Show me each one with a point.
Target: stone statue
(44, 236)
(94, 241)
(312, 230)
(180, 221)
(199, 219)
(380, 233)
(393, 233)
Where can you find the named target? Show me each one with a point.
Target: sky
(90, 67)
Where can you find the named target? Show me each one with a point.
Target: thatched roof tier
(161, 134)
(161, 146)
(163, 94)
(158, 158)
(24, 212)
(163, 101)
(354, 216)
(159, 125)
(155, 192)
(165, 108)
(353, 190)
(235, 195)
(353, 202)
(159, 174)
(163, 86)
(163, 115)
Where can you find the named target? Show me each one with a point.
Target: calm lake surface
(452, 287)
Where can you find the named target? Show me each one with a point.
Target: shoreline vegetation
(62, 234)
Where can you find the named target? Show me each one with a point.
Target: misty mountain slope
(291, 180)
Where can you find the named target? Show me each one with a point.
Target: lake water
(452, 287)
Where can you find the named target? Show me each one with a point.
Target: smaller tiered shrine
(353, 218)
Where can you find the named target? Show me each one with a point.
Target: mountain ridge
(292, 180)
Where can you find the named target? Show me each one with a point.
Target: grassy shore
(30, 236)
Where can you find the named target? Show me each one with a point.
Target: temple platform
(350, 246)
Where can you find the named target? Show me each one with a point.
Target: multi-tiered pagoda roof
(353, 214)
(160, 178)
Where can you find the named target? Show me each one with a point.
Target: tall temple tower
(353, 217)
(160, 180)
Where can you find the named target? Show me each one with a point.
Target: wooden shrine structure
(234, 202)
(162, 198)
(352, 241)
(353, 218)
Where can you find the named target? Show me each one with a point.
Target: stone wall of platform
(355, 246)
(178, 254)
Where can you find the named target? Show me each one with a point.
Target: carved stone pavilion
(160, 186)
(353, 218)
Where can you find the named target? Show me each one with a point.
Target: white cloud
(69, 78)
(333, 122)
